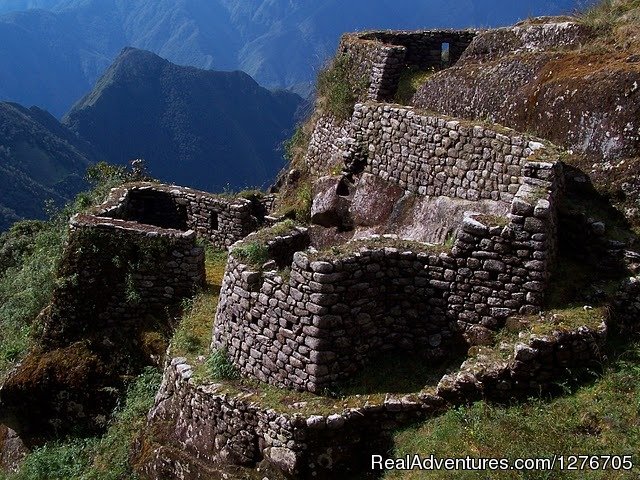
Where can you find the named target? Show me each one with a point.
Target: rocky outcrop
(534, 77)
(12, 450)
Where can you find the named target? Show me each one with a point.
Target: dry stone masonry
(326, 318)
(222, 220)
(383, 56)
(310, 314)
(206, 423)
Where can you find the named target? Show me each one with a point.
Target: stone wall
(383, 56)
(335, 310)
(525, 78)
(426, 154)
(128, 270)
(201, 426)
(119, 285)
(220, 219)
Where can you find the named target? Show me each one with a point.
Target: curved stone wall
(325, 318)
(197, 426)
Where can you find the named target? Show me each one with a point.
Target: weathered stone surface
(373, 200)
(12, 450)
(329, 208)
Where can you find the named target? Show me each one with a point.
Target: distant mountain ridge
(65, 46)
(194, 127)
(40, 160)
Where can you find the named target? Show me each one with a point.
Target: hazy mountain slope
(281, 43)
(44, 60)
(39, 160)
(195, 127)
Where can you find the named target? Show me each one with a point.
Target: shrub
(105, 458)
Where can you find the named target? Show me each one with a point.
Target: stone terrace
(382, 56)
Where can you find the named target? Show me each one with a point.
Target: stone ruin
(428, 234)
(126, 263)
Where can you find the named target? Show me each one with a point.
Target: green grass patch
(410, 81)
(219, 367)
(601, 418)
(191, 338)
(254, 250)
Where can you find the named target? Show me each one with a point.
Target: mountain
(40, 160)
(62, 46)
(201, 128)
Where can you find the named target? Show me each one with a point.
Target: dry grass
(616, 22)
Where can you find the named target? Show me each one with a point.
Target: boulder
(12, 450)
(330, 208)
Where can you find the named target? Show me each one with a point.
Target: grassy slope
(600, 418)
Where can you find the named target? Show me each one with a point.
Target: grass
(254, 250)
(191, 338)
(294, 200)
(410, 81)
(615, 22)
(98, 458)
(219, 367)
(601, 418)
(339, 87)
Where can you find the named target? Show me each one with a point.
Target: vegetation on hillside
(601, 418)
(29, 256)
(201, 128)
(96, 458)
(40, 161)
(339, 86)
(616, 21)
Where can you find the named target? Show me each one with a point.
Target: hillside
(40, 160)
(281, 44)
(194, 127)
